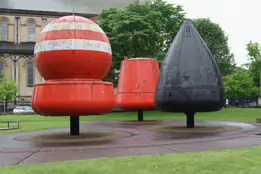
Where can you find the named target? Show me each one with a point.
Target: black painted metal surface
(190, 80)
(74, 125)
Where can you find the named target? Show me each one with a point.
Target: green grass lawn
(31, 123)
(236, 161)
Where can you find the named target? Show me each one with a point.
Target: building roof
(78, 6)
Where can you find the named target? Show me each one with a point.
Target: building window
(31, 31)
(30, 73)
(4, 30)
(1, 70)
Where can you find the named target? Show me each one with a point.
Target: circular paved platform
(85, 137)
(125, 138)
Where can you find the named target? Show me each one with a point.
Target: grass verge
(33, 123)
(236, 161)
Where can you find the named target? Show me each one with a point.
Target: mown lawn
(236, 161)
(32, 123)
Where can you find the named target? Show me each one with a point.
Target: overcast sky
(240, 19)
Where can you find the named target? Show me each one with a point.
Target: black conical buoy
(189, 77)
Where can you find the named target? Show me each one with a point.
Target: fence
(242, 102)
(8, 106)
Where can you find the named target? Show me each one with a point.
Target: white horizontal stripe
(72, 44)
(72, 26)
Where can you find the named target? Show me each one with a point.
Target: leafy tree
(217, 42)
(140, 30)
(170, 18)
(8, 89)
(147, 30)
(240, 84)
(254, 65)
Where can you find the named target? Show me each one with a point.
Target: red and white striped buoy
(73, 55)
(67, 44)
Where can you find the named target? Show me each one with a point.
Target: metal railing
(9, 125)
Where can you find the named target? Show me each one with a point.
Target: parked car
(10, 108)
(20, 110)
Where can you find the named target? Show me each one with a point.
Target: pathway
(120, 139)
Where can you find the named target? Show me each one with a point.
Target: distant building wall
(14, 60)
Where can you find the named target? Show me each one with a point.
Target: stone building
(21, 22)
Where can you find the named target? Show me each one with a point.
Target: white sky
(240, 19)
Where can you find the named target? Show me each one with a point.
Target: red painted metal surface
(73, 55)
(73, 47)
(137, 84)
(80, 64)
(73, 98)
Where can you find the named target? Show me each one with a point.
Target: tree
(240, 84)
(217, 42)
(254, 65)
(169, 22)
(8, 89)
(140, 30)
(147, 30)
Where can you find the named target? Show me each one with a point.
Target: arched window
(30, 73)
(31, 31)
(1, 70)
(4, 30)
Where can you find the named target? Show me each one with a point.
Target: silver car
(20, 110)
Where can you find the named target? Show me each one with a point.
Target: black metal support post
(190, 119)
(75, 125)
(140, 115)
(15, 102)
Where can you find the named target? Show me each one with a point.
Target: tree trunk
(6, 103)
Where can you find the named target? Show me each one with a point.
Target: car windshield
(27, 107)
(18, 107)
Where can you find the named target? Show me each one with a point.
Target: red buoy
(73, 98)
(137, 84)
(73, 56)
(73, 47)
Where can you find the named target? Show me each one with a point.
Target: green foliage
(140, 30)
(168, 21)
(254, 52)
(217, 42)
(254, 66)
(147, 30)
(240, 84)
(8, 89)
